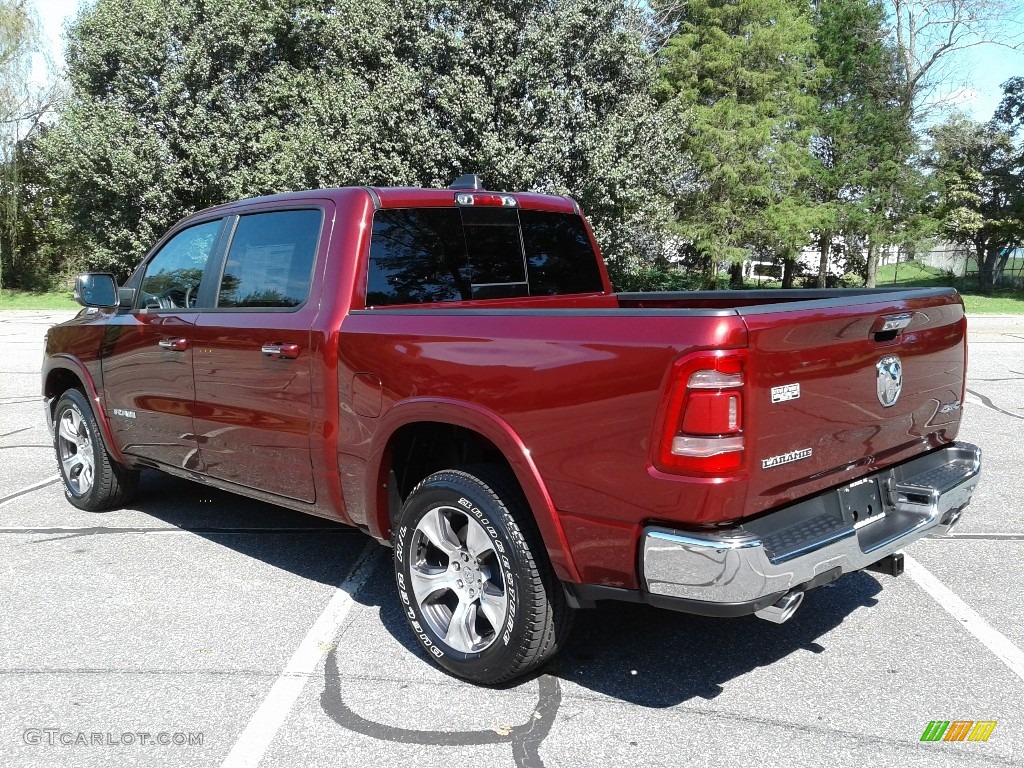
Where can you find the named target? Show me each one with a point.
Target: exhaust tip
(781, 611)
(947, 523)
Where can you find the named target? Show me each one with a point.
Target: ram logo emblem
(889, 383)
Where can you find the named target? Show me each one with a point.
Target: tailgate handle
(888, 327)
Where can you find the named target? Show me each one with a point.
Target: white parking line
(268, 719)
(990, 637)
(29, 489)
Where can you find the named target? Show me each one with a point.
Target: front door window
(174, 276)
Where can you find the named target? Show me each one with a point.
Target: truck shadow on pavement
(636, 654)
(659, 658)
(643, 655)
(309, 547)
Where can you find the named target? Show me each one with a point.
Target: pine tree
(739, 77)
(863, 135)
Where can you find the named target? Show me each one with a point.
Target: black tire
(92, 480)
(504, 549)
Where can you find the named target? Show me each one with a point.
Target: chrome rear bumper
(815, 540)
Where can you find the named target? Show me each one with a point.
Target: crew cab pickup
(450, 371)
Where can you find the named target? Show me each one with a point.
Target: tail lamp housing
(702, 427)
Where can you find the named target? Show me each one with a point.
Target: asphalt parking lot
(201, 629)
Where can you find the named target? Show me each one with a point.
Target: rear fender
(492, 427)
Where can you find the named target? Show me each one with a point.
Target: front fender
(75, 367)
(495, 429)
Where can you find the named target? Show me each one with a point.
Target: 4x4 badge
(890, 380)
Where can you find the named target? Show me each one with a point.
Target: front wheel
(92, 480)
(474, 578)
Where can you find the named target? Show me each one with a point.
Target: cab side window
(270, 261)
(173, 277)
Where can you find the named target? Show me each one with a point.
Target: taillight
(702, 429)
(487, 198)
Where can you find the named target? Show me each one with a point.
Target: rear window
(426, 255)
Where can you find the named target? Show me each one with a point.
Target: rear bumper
(815, 540)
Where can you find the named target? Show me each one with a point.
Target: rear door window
(270, 260)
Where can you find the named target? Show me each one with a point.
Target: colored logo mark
(959, 730)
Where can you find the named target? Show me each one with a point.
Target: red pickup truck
(451, 372)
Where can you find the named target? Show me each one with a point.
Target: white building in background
(810, 258)
(950, 257)
(957, 259)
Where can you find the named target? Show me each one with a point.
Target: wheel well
(418, 450)
(59, 381)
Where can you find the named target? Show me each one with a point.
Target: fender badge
(786, 458)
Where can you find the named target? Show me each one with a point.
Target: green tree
(553, 96)
(21, 109)
(980, 178)
(176, 106)
(33, 257)
(738, 76)
(17, 40)
(864, 138)
(1010, 112)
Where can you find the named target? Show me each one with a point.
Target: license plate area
(861, 503)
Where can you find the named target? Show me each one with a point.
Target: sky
(52, 14)
(982, 69)
(985, 68)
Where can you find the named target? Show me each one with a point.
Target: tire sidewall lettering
(502, 541)
(506, 565)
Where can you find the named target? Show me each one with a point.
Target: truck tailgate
(819, 374)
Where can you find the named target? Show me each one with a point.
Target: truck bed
(581, 387)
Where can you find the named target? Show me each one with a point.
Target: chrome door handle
(289, 351)
(175, 345)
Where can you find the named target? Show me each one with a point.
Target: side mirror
(96, 289)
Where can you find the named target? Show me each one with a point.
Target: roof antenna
(467, 181)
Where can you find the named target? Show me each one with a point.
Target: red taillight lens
(711, 413)
(702, 430)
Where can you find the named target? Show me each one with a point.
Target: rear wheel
(474, 579)
(92, 480)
